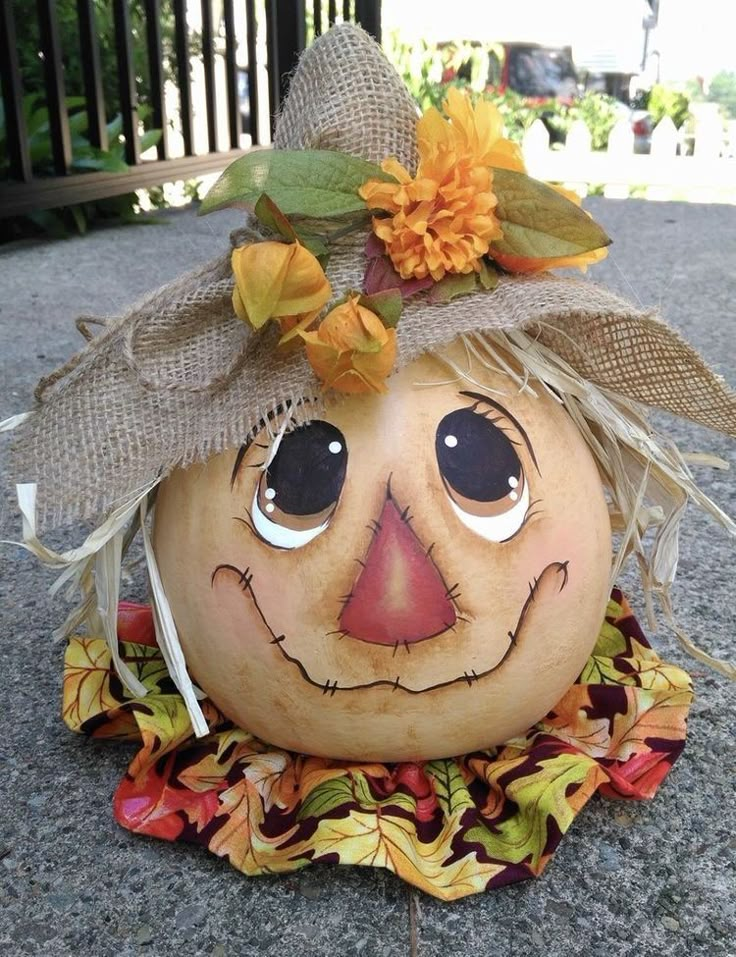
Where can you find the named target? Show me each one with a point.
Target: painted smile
(551, 581)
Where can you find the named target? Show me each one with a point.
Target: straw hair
(180, 378)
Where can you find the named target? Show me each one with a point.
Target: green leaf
(317, 183)
(115, 127)
(452, 286)
(268, 213)
(540, 223)
(326, 797)
(80, 144)
(537, 796)
(100, 162)
(29, 105)
(147, 664)
(80, 221)
(488, 276)
(387, 305)
(78, 122)
(449, 786)
(368, 801)
(150, 138)
(601, 670)
(611, 641)
(317, 247)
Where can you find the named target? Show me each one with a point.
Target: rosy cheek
(548, 542)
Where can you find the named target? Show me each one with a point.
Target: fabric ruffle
(450, 827)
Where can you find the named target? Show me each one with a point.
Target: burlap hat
(180, 377)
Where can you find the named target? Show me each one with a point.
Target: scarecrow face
(411, 576)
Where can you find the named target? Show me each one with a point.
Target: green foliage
(31, 64)
(519, 113)
(326, 797)
(664, 101)
(598, 111)
(722, 90)
(85, 158)
(421, 67)
(600, 114)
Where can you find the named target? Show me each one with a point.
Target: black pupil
(475, 457)
(308, 471)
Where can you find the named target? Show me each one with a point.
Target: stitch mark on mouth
(245, 580)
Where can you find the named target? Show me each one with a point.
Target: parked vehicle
(537, 73)
(534, 71)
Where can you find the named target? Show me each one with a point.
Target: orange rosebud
(276, 280)
(351, 351)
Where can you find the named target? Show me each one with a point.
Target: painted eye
(298, 492)
(482, 474)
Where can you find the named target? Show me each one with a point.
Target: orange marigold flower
(474, 130)
(351, 351)
(442, 221)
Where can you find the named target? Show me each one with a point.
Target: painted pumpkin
(413, 575)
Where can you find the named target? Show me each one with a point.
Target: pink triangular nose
(399, 596)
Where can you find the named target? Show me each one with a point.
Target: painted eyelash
(497, 407)
(250, 441)
(530, 514)
(494, 421)
(487, 415)
(250, 525)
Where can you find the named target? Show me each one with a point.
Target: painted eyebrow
(499, 408)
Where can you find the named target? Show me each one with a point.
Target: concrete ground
(628, 880)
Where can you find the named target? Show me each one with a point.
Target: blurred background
(113, 108)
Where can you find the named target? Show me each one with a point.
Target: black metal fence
(227, 29)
